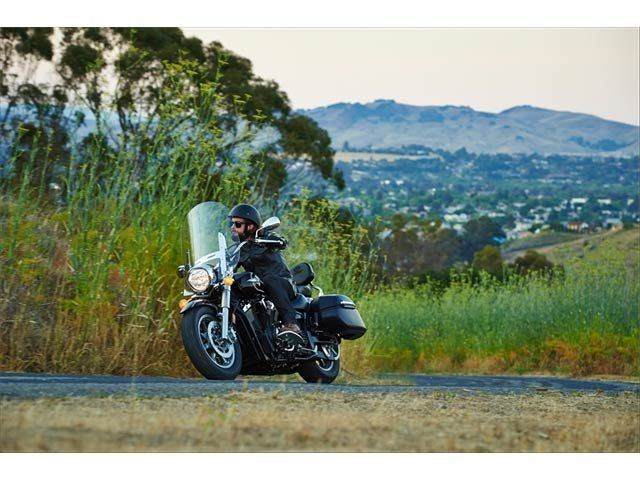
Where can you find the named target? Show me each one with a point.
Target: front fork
(226, 305)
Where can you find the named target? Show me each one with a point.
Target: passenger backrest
(303, 274)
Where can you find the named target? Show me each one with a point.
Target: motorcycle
(229, 326)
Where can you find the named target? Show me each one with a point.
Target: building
(614, 223)
(578, 226)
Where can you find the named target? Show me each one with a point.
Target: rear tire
(200, 329)
(321, 371)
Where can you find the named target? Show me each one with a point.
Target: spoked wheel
(322, 370)
(213, 357)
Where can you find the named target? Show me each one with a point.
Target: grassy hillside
(351, 156)
(560, 247)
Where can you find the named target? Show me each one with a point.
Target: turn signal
(228, 281)
(182, 303)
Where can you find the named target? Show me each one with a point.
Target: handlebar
(268, 242)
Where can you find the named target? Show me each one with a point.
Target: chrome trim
(346, 304)
(206, 268)
(226, 304)
(316, 288)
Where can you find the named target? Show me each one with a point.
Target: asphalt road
(31, 385)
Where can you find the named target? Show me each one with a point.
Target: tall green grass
(583, 322)
(341, 253)
(88, 270)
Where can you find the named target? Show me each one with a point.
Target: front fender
(196, 302)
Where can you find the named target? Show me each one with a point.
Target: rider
(267, 263)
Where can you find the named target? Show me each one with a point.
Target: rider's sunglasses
(236, 224)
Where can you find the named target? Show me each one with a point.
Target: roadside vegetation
(89, 278)
(93, 229)
(582, 321)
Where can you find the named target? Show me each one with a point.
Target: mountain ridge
(386, 123)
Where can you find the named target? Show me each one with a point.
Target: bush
(489, 260)
(532, 261)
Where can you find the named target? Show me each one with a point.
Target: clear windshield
(233, 254)
(206, 220)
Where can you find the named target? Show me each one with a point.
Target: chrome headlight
(199, 278)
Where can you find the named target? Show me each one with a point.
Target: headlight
(199, 278)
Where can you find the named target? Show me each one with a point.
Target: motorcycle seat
(300, 302)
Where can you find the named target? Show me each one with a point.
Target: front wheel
(214, 358)
(322, 370)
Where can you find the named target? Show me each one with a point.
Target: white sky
(589, 70)
(585, 70)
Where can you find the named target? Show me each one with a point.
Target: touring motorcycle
(230, 327)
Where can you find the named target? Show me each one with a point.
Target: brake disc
(224, 348)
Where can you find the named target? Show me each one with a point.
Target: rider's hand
(282, 241)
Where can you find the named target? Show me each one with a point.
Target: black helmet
(248, 212)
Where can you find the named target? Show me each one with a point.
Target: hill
(562, 247)
(522, 129)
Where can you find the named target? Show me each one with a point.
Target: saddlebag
(337, 314)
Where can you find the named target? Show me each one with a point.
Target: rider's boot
(291, 333)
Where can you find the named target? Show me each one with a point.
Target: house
(456, 218)
(459, 228)
(521, 226)
(577, 226)
(614, 223)
(453, 208)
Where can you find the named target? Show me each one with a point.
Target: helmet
(248, 212)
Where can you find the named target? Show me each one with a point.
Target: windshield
(206, 221)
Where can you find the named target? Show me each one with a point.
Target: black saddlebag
(337, 314)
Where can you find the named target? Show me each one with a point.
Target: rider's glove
(274, 236)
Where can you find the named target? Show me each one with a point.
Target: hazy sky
(582, 70)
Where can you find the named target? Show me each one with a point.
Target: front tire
(215, 360)
(322, 371)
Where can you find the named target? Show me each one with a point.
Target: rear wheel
(322, 370)
(213, 357)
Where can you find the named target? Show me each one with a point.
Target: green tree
(480, 232)
(489, 259)
(532, 261)
(21, 51)
(127, 71)
(302, 138)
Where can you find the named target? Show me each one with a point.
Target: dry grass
(625, 240)
(367, 156)
(336, 422)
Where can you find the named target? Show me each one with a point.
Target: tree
(302, 138)
(407, 255)
(21, 50)
(532, 261)
(479, 233)
(128, 71)
(489, 260)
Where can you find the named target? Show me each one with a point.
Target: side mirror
(269, 224)
(182, 270)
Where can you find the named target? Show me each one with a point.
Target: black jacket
(265, 260)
